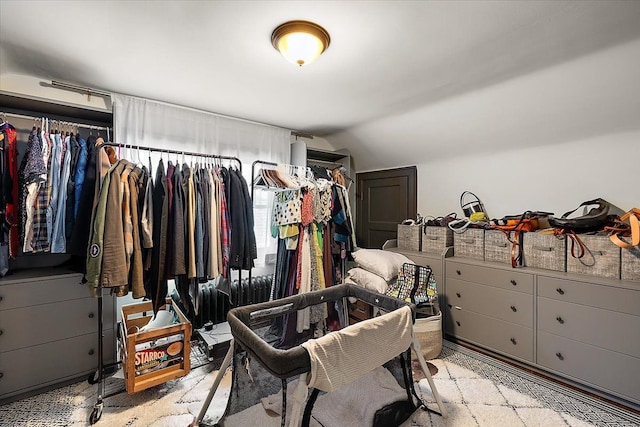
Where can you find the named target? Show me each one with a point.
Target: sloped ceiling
(403, 81)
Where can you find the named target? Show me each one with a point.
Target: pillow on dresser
(385, 264)
(367, 280)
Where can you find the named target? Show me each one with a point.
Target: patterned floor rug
(477, 391)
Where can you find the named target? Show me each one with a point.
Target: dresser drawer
(39, 324)
(42, 290)
(38, 366)
(595, 295)
(507, 279)
(603, 328)
(514, 307)
(503, 337)
(604, 369)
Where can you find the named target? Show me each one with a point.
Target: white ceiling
(432, 77)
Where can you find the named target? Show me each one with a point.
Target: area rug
(477, 391)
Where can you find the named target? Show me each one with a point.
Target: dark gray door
(384, 199)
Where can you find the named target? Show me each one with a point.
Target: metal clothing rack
(57, 122)
(298, 168)
(253, 185)
(98, 377)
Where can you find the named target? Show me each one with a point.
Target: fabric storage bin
(469, 244)
(630, 264)
(436, 239)
(497, 247)
(409, 237)
(601, 257)
(545, 251)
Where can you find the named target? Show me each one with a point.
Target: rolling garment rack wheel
(96, 413)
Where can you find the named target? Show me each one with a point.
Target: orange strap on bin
(633, 216)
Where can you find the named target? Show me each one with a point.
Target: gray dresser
(49, 330)
(581, 329)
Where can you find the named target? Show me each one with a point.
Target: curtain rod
(80, 125)
(82, 89)
(163, 150)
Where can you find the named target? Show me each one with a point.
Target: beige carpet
(470, 397)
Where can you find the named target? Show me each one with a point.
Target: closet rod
(80, 125)
(163, 150)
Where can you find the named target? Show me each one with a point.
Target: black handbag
(592, 220)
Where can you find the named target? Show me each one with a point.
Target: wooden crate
(630, 264)
(409, 237)
(145, 353)
(436, 239)
(497, 248)
(545, 251)
(469, 244)
(601, 258)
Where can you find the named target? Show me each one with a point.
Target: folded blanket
(342, 356)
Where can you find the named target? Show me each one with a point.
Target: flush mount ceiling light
(300, 42)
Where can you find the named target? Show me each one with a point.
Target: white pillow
(368, 280)
(385, 264)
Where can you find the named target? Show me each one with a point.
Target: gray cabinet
(576, 328)
(589, 331)
(490, 307)
(579, 328)
(49, 330)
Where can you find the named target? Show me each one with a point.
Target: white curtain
(159, 125)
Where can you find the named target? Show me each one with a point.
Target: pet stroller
(358, 375)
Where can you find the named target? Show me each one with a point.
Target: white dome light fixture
(300, 42)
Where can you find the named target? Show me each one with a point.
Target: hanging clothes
(81, 232)
(157, 287)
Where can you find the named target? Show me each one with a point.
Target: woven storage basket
(545, 251)
(436, 239)
(409, 237)
(428, 331)
(630, 264)
(497, 247)
(601, 258)
(469, 244)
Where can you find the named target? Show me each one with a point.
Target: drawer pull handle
(513, 282)
(559, 356)
(560, 291)
(458, 307)
(458, 322)
(432, 237)
(458, 272)
(91, 315)
(458, 294)
(560, 320)
(91, 352)
(513, 341)
(468, 241)
(542, 248)
(513, 308)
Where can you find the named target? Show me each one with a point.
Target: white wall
(554, 178)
